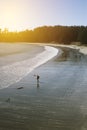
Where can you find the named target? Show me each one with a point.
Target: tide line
(13, 73)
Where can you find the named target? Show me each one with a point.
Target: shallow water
(17, 69)
(58, 102)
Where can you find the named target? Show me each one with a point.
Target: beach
(13, 71)
(57, 102)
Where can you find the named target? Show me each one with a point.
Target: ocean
(15, 70)
(57, 102)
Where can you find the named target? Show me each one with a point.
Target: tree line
(47, 34)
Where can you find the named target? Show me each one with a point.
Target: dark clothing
(38, 77)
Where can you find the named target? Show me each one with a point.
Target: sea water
(14, 72)
(58, 103)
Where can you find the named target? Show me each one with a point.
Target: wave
(13, 73)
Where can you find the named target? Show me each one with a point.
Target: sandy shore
(53, 104)
(18, 48)
(58, 102)
(82, 49)
(16, 69)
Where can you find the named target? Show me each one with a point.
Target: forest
(47, 34)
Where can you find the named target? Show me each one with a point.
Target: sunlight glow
(14, 15)
(28, 14)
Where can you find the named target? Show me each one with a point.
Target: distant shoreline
(81, 49)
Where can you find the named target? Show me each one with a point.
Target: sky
(29, 14)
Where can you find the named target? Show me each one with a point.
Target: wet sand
(16, 70)
(14, 52)
(58, 102)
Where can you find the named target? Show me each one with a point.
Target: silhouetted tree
(58, 34)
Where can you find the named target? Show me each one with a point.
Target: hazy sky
(28, 14)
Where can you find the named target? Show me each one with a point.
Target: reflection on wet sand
(38, 85)
(70, 54)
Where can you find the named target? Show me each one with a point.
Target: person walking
(38, 77)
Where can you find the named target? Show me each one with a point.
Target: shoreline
(12, 73)
(55, 100)
(79, 48)
(82, 49)
(26, 66)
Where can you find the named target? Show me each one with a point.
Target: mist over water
(14, 72)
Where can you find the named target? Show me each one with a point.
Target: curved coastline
(13, 73)
(81, 49)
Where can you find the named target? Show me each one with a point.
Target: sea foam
(13, 73)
